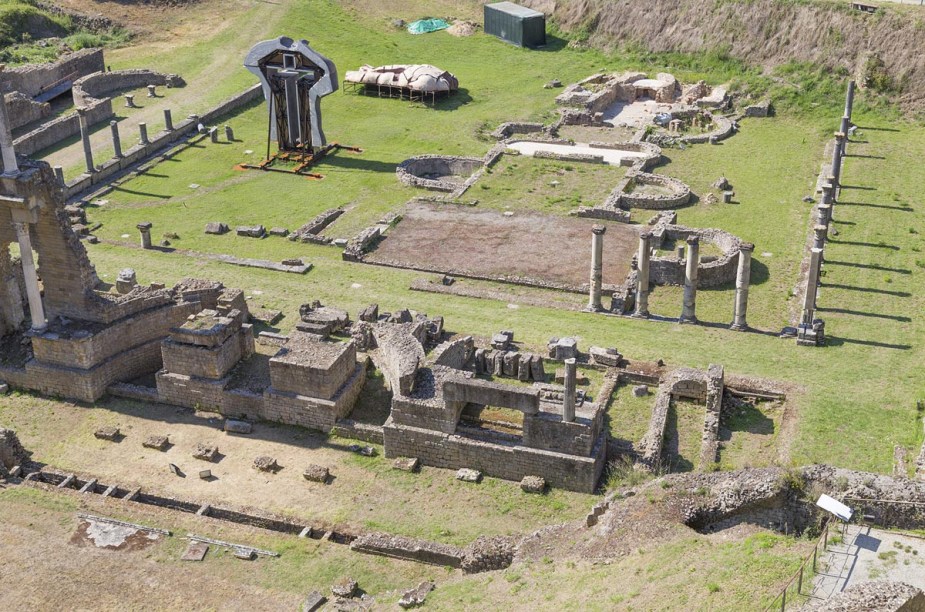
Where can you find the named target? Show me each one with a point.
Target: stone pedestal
(568, 402)
(33, 293)
(642, 279)
(819, 235)
(126, 281)
(143, 133)
(597, 267)
(145, 229)
(811, 331)
(85, 138)
(152, 91)
(213, 134)
(689, 311)
(130, 101)
(229, 133)
(116, 141)
(743, 277)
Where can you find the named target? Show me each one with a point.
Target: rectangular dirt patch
(523, 247)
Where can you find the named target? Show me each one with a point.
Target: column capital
(747, 247)
(693, 239)
(598, 229)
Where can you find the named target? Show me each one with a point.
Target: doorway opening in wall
(490, 423)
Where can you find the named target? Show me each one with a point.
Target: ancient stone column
(129, 101)
(642, 280)
(145, 229)
(689, 312)
(36, 309)
(825, 217)
(229, 133)
(116, 142)
(843, 129)
(849, 99)
(152, 91)
(568, 402)
(168, 120)
(59, 174)
(143, 133)
(10, 165)
(743, 275)
(597, 266)
(837, 159)
(85, 137)
(213, 134)
(812, 287)
(819, 232)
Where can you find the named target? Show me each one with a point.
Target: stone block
(238, 427)
(533, 484)
(500, 342)
(296, 261)
(217, 228)
(370, 314)
(641, 390)
(195, 551)
(279, 231)
(537, 370)
(313, 602)
(366, 451)
(107, 433)
(511, 364)
(605, 356)
(252, 231)
(316, 473)
(468, 475)
(205, 474)
(407, 464)
(580, 378)
(266, 463)
(156, 442)
(245, 554)
(416, 596)
(205, 452)
(345, 587)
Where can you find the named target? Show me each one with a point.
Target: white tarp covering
(417, 77)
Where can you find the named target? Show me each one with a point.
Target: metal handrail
(798, 575)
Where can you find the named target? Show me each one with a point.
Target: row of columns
(810, 331)
(692, 266)
(116, 139)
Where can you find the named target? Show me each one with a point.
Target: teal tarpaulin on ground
(423, 26)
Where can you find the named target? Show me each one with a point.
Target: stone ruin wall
(412, 171)
(23, 110)
(65, 126)
(33, 79)
(93, 87)
(12, 293)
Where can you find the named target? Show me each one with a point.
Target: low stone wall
(713, 273)
(23, 110)
(348, 428)
(411, 549)
(34, 79)
(680, 193)
(58, 129)
(576, 157)
(513, 128)
(413, 171)
(158, 143)
(723, 130)
(101, 84)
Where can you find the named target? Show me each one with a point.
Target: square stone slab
(195, 551)
(468, 475)
(156, 442)
(206, 452)
(316, 473)
(265, 463)
(107, 433)
(407, 464)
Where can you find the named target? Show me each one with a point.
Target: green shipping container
(516, 24)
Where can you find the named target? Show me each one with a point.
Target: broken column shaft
(849, 99)
(743, 276)
(145, 229)
(33, 293)
(85, 138)
(689, 311)
(812, 287)
(843, 129)
(143, 133)
(10, 165)
(837, 160)
(116, 142)
(59, 174)
(642, 278)
(568, 402)
(819, 232)
(168, 120)
(597, 266)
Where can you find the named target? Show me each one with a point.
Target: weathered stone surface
(402, 547)
(265, 463)
(533, 484)
(345, 587)
(563, 348)
(416, 596)
(279, 231)
(11, 451)
(251, 231)
(205, 452)
(407, 464)
(370, 314)
(156, 442)
(4, 388)
(205, 474)
(641, 390)
(313, 602)
(316, 473)
(238, 427)
(107, 433)
(366, 451)
(216, 228)
(489, 553)
(605, 356)
(195, 551)
(468, 475)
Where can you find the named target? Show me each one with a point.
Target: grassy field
(850, 415)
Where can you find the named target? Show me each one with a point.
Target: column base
(640, 315)
(739, 327)
(13, 174)
(690, 320)
(592, 308)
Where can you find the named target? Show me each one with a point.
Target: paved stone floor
(868, 554)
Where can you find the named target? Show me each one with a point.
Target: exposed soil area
(487, 243)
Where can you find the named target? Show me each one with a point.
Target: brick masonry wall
(191, 392)
(201, 361)
(310, 381)
(23, 110)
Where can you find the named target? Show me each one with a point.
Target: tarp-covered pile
(423, 26)
(415, 77)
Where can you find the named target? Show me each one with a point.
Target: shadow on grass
(891, 247)
(836, 341)
(870, 205)
(749, 420)
(352, 162)
(867, 289)
(830, 262)
(160, 196)
(861, 313)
